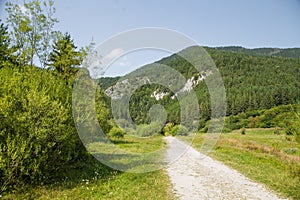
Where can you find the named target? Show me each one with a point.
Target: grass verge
(92, 180)
(265, 157)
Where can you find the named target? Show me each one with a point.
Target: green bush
(116, 132)
(226, 130)
(146, 130)
(232, 122)
(278, 116)
(38, 139)
(179, 130)
(243, 131)
(293, 131)
(202, 124)
(167, 129)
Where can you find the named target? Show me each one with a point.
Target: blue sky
(248, 23)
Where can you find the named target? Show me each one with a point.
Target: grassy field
(95, 181)
(261, 155)
(265, 157)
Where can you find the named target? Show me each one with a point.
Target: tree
(32, 30)
(64, 56)
(92, 60)
(6, 51)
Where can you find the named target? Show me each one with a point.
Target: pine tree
(64, 57)
(6, 51)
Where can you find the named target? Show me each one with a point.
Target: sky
(247, 23)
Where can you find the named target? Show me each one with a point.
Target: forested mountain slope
(278, 52)
(252, 82)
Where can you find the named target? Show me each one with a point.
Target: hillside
(252, 82)
(277, 52)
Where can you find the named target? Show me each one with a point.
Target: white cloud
(115, 53)
(123, 61)
(97, 65)
(115, 59)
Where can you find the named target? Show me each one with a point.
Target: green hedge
(38, 139)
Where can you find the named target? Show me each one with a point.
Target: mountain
(278, 52)
(253, 80)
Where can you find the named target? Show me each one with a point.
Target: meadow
(93, 180)
(264, 155)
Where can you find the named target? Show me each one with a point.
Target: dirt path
(196, 176)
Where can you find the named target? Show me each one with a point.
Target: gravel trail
(196, 176)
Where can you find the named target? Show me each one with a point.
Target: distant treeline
(275, 52)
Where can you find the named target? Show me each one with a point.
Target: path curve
(196, 176)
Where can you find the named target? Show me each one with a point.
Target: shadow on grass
(89, 169)
(132, 162)
(93, 171)
(119, 141)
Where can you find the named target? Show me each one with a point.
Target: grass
(154, 185)
(265, 157)
(130, 153)
(93, 180)
(133, 144)
(261, 155)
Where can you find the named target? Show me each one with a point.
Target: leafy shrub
(295, 132)
(232, 122)
(146, 130)
(116, 132)
(254, 122)
(204, 130)
(167, 129)
(179, 130)
(278, 116)
(226, 130)
(243, 131)
(202, 124)
(38, 139)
